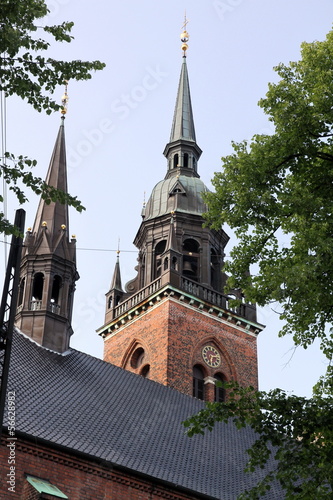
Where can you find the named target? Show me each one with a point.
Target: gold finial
(64, 100)
(118, 250)
(184, 36)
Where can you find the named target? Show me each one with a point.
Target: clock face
(211, 356)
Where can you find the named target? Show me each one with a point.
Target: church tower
(48, 268)
(173, 323)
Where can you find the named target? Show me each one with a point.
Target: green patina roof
(180, 194)
(43, 486)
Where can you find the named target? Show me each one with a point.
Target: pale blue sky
(119, 122)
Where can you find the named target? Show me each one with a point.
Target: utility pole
(8, 307)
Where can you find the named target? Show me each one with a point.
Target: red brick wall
(77, 478)
(151, 330)
(172, 335)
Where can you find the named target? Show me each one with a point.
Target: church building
(111, 429)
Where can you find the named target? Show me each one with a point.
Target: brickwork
(77, 478)
(172, 335)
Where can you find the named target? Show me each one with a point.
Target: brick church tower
(173, 323)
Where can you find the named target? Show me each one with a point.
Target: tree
(279, 188)
(26, 73)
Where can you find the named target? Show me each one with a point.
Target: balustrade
(193, 288)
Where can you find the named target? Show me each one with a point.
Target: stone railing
(245, 310)
(53, 307)
(135, 299)
(203, 293)
(36, 305)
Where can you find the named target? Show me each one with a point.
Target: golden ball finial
(64, 100)
(184, 37)
(63, 227)
(44, 223)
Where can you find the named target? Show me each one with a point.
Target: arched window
(166, 263)
(56, 286)
(191, 259)
(198, 382)
(37, 287)
(175, 161)
(219, 391)
(175, 263)
(159, 249)
(37, 292)
(186, 160)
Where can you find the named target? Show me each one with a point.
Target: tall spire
(183, 122)
(53, 217)
(182, 150)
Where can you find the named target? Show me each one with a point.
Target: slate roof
(85, 404)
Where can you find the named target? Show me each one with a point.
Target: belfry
(173, 323)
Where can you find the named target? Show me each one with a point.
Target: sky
(119, 122)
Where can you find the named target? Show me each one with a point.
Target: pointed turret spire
(116, 278)
(53, 217)
(182, 151)
(48, 269)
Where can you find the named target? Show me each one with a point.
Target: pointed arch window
(198, 382)
(191, 259)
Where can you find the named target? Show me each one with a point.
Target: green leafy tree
(279, 188)
(27, 73)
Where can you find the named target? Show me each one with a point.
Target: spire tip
(184, 37)
(64, 101)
